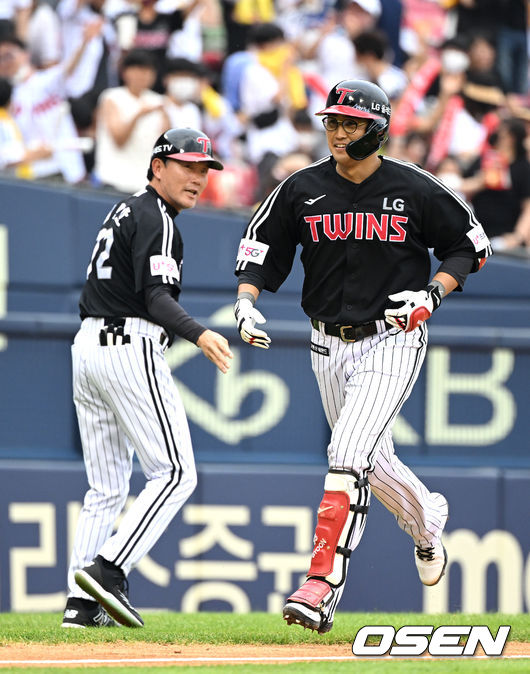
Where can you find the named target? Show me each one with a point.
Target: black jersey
(138, 246)
(360, 242)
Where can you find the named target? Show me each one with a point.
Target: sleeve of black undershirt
(251, 277)
(458, 268)
(168, 313)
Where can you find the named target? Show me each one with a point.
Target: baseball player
(125, 397)
(365, 224)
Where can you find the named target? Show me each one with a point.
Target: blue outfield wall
(259, 432)
(243, 541)
(469, 406)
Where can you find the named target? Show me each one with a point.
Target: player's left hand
(215, 348)
(417, 307)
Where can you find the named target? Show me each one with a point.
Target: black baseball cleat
(106, 582)
(83, 613)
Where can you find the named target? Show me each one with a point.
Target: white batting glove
(417, 307)
(247, 316)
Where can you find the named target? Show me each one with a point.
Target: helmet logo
(343, 91)
(204, 142)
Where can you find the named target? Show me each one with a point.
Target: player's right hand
(215, 347)
(246, 317)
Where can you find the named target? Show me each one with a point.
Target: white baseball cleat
(430, 562)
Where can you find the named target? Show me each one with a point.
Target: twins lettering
(359, 225)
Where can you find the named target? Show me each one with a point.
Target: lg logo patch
(445, 640)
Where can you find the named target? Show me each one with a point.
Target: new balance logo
(310, 202)
(70, 613)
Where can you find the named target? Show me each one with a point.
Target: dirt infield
(174, 654)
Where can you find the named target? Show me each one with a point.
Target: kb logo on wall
(231, 389)
(445, 640)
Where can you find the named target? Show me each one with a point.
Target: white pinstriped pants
(126, 403)
(363, 386)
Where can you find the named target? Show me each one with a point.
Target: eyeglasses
(349, 125)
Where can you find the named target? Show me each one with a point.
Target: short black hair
(263, 33)
(182, 65)
(13, 39)
(6, 88)
(139, 57)
(371, 42)
(150, 174)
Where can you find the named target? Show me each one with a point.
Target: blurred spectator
(331, 47)
(239, 16)
(469, 16)
(449, 172)
(219, 120)
(390, 22)
(435, 82)
(499, 187)
(154, 24)
(41, 111)
(283, 167)
(467, 118)
(507, 22)
(413, 149)
(14, 155)
(296, 17)
(128, 119)
(183, 88)
(14, 16)
(372, 53)
(483, 61)
(310, 142)
(44, 35)
(95, 69)
(187, 42)
(195, 103)
(269, 132)
(231, 75)
(512, 44)
(279, 57)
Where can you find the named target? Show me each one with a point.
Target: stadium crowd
(86, 85)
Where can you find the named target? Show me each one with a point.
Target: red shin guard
(332, 515)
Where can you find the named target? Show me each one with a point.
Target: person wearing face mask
(183, 90)
(127, 118)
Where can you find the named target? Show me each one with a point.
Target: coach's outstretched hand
(215, 347)
(247, 316)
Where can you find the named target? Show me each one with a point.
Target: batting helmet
(186, 145)
(358, 98)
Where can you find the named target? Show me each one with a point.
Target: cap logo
(162, 148)
(204, 142)
(343, 91)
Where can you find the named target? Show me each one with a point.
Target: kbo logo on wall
(445, 640)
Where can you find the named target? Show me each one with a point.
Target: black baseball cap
(186, 145)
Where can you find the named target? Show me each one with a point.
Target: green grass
(230, 628)
(258, 628)
(408, 667)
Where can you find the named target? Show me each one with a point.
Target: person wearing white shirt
(41, 111)
(128, 119)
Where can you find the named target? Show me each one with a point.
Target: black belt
(117, 322)
(348, 333)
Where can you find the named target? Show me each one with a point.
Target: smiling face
(338, 139)
(180, 183)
